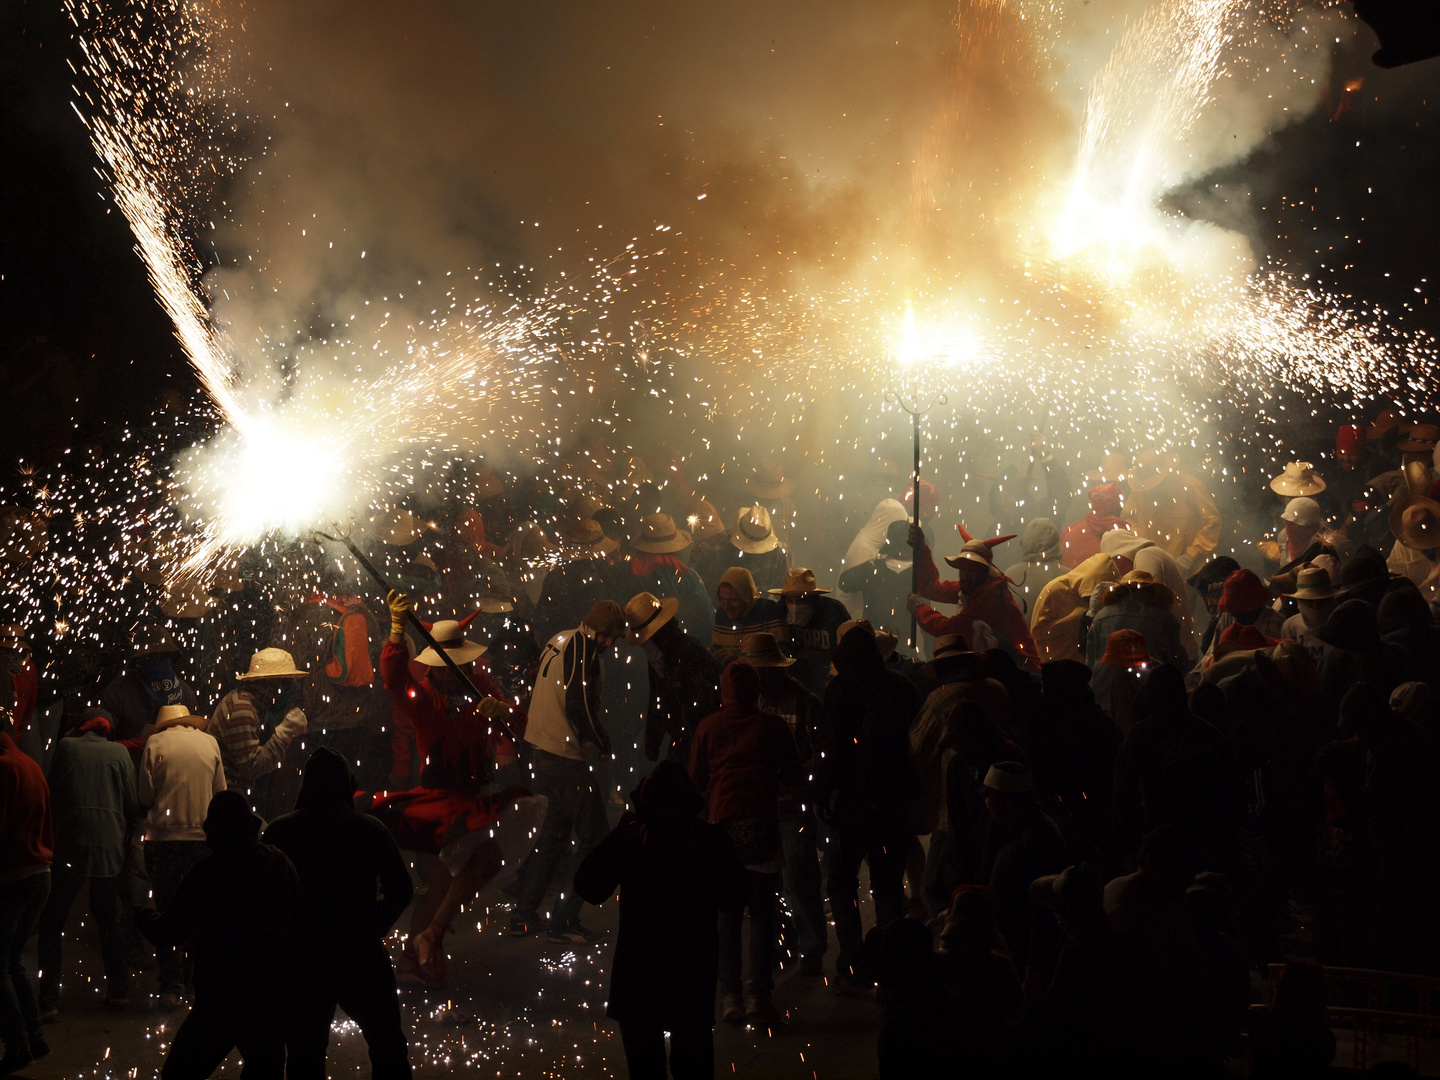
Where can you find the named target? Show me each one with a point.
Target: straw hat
(272, 664)
(799, 581)
(1415, 520)
(399, 528)
(1386, 420)
(179, 712)
(1111, 471)
(763, 650)
(12, 636)
(449, 634)
(586, 540)
(978, 551)
(948, 647)
(646, 613)
(1313, 583)
(1151, 468)
(151, 639)
(1142, 579)
(187, 600)
(703, 519)
(494, 605)
(528, 541)
(1420, 438)
(753, 533)
(1302, 511)
(769, 481)
(1299, 478)
(659, 536)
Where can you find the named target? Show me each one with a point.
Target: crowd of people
(1094, 795)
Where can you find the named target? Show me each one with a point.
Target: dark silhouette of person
(234, 912)
(354, 885)
(675, 873)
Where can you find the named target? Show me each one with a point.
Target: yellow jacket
(1178, 515)
(1055, 625)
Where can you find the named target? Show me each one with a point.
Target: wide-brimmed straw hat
(586, 540)
(399, 528)
(753, 532)
(272, 664)
(449, 634)
(1113, 468)
(12, 636)
(763, 650)
(799, 581)
(188, 599)
(1299, 478)
(1415, 519)
(1151, 467)
(646, 613)
(1141, 580)
(769, 481)
(1313, 583)
(950, 648)
(1386, 421)
(151, 639)
(1420, 438)
(659, 536)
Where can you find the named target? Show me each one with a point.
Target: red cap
(1350, 439)
(1105, 500)
(1244, 591)
(1240, 638)
(1126, 648)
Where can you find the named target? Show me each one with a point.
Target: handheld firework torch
(915, 415)
(420, 628)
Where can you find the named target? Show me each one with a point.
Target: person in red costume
(471, 813)
(982, 592)
(1081, 539)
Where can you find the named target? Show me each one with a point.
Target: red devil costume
(992, 603)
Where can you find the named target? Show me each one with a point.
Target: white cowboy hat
(449, 634)
(659, 536)
(586, 540)
(646, 613)
(272, 664)
(753, 532)
(1299, 478)
(769, 481)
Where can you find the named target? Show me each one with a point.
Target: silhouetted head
(329, 783)
(230, 823)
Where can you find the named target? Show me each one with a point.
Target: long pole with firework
(916, 413)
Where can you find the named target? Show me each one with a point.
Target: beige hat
(703, 519)
(586, 540)
(12, 636)
(799, 581)
(449, 634)
(753, 533)
(272, 664)
(763, 650)
(1415, 520)
(947, 647)
(399, 528)
(167, 713)
(495, 605)
(659, 536)
(1299, 478)
(188, 599)
(1313, 583)
(646, 613)
(1111, 471)
(1420, 438)
(977, 551)
(769, 481)
(1151, 467)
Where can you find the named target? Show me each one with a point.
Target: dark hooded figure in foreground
(675, 874)
(355, 886)
(235, 912)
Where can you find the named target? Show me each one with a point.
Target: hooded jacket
(1040, 565)
(1150, 557)
(353, 880)
(742, 754)
(180, 771)
(675, 874)
(1062, 605)
(762, 615)
(865, 732)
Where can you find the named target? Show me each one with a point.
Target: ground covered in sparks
(513, 1007)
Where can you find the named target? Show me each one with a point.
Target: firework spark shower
(388, 230)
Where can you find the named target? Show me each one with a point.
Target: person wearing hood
(1175, 511)
(235, 913)
(354, 886)
(92, 791)
(682, 676)
(1081, 539)
(676, 874)
(1039, 564)
(750, 543)
(1135, 552)
(867, 788)
(983, 594)
(883, 581)
(1061, 619)
(181, 770)
(740, 610)
(741, 758)
(1138, 602)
